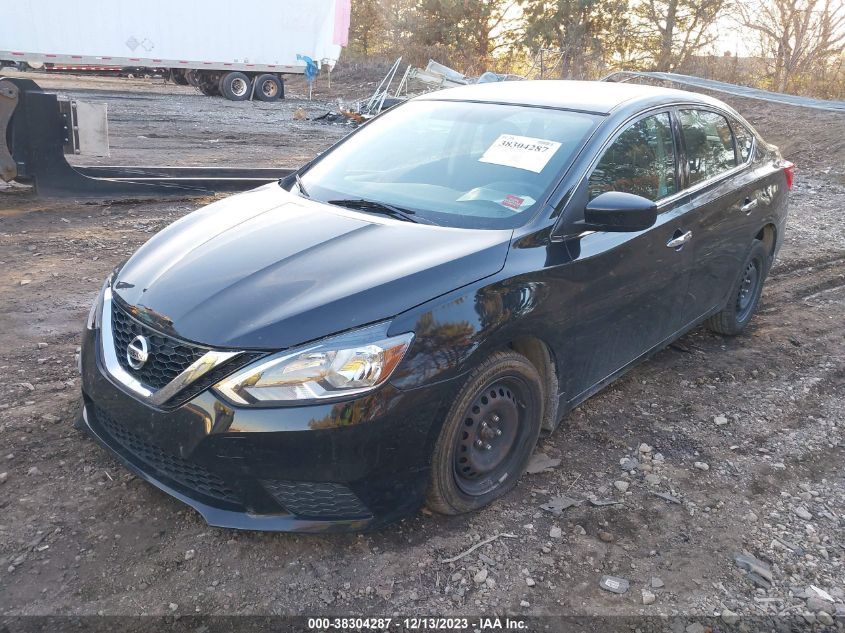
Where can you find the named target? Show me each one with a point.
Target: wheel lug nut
(479, 443)
(495, 418)
(498, 432)
(487, 447)
(484, 424)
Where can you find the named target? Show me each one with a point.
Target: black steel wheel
(488, 436)
(745, 295)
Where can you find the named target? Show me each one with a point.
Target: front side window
(709, 144)
(459, 164)
(640, 161)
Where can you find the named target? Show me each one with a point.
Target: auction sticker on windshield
(522, 152)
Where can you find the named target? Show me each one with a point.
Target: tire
(269, 88)
(208, 89)
(236, 86)
(488, 436)
(178, 77)
(745, 294)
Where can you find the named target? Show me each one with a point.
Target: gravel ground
(723, 457)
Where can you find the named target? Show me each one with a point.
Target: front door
(626, 290)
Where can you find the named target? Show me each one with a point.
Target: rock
(816, 604)
(802, 513)
(524, 603)
(648, 597)
(652, 479)
(614, 584)
(173, 606)
(3, 477)
(190, 554)
(52, 419)
(557, 505)
(555, 532)
(695, 627)
(720, 420)
(607, 537)
(656, 583)
(621, 486)
(645, 448)
(729, 617)
(33, 471)
(27, 385)
(456, 577)
(24, 282)
(751, 517)
(579, 530)
(628, 463)
(658, 457)
(758, 571)
(702, 466)
(824, 618)
(42, 345)
(530, 581)
(480, 576)
(540, 462)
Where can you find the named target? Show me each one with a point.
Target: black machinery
(38, 128)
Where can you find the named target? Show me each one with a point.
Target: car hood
(267, 269)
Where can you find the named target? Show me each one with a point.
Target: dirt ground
(745, 434)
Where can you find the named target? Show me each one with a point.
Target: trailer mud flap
(33, 136)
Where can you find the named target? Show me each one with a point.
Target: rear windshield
(459, 164)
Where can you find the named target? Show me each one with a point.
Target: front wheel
(488, 436)
(745, 295)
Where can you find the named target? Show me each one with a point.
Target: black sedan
(398, 322)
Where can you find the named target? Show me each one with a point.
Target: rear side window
(709, 144)
(641, 161)
(744, 140)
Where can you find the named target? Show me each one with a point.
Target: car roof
(600, 97)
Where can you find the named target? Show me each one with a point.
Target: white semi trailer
(237, 49)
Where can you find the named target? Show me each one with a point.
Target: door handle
(678, 242)
(749, 205)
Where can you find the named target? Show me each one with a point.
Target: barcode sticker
(521, 152)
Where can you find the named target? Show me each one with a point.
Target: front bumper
(346, 466)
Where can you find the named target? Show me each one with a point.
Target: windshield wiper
(300, 186)
(384, 208)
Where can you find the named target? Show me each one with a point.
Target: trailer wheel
(177, 76)
(208, 88)
(269, 88)
(236, 86)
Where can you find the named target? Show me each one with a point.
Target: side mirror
(619, 212)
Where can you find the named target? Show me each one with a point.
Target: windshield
(459, 164)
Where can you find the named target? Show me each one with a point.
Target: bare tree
(802, 37)
(674, 30)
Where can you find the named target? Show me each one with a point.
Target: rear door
(721, 208)
(626, 289)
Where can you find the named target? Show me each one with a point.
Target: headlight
(96, 312)
(337, 367)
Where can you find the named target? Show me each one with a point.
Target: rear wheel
(269, 88)
(488, 436)
(236, 86)
(745, 295)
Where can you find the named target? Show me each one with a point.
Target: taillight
(789, 172)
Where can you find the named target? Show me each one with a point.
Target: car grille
(168, 357)
(316, 499)
(187, 474)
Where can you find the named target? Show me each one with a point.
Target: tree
(673, 30)
(802, 37)
(584, 31)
